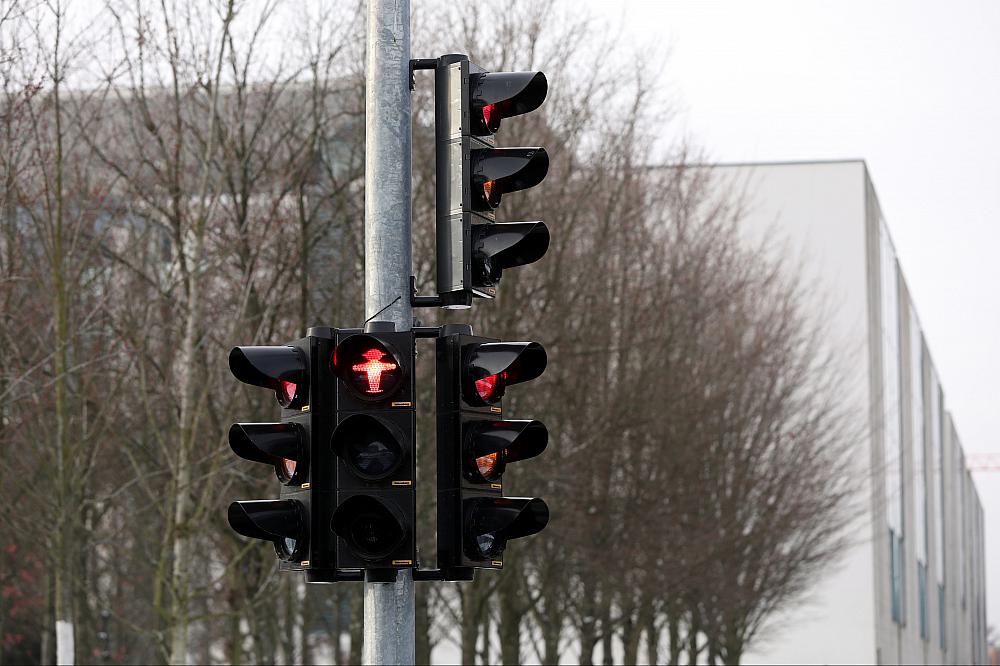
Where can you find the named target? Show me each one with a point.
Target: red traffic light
(279, 368)
(499, 95)
(368, 366)
(489, 368)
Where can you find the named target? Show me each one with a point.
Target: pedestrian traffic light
(475, 445)
(298, 523)
(473, 175)
(373, 442)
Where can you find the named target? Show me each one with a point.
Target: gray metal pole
(389, 607)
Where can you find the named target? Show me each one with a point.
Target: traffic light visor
(278, 521)
(490, 367)
(368, 366)
(491, 522)
(499, 95)
(280, 444)
(279, 368)
(498, 171)
(490, 445)
(506, 244)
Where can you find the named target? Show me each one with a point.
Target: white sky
(912, 87)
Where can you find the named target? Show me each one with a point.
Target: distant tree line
(178, 178)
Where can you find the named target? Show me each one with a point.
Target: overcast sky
(913, 88)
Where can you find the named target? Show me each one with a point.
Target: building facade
(911, 588)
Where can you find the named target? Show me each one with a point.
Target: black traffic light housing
(475, 444)
(473, 174)
(297, 447)
(373, 444)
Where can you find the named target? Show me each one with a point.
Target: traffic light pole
(389, 607)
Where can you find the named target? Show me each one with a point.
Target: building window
(892, 435)
(922, 592)
(941, 625)
(920, 477)
(937, 451)
(896, 570)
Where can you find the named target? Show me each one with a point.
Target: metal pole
(389, 607)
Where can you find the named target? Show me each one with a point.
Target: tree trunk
(588, 629)
(357, 606)
(674, 635)
(470, 621)
(652, 637)
(422, 625)
(45, 649)
(693, 630)
(234, 651)
(608, 637)
(630, 640)
(510, 620)
(551, 630)
(485, 624)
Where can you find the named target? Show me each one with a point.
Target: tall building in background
(910, 589)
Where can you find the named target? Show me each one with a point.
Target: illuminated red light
(288, 467)
(287, 391)
(491, 387)
(491, 117)
(373, 369)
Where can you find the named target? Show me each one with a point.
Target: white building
(911, 588)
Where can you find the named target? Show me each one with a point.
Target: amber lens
(488, 464)
(491, 192)
(288, 467)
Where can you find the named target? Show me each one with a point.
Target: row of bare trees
(179, 177)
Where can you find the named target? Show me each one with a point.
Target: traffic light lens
(374, 373)
(290, 546)
(288, 467)
(488, 464)
(286, 392)
(370, 446)
(375, 534)
(486, 543)
(491, 387)
(491, 193)
(491, 117)
(374, 458)
(369, 367)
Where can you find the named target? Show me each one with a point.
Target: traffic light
(475, 445)
(284, 446)
(473, 175)
(373, 442)
(298, 523)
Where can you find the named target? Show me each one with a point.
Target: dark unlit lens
(486, 543)
(374, 457)
(373, 533)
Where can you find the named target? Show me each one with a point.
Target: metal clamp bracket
(452, 298)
